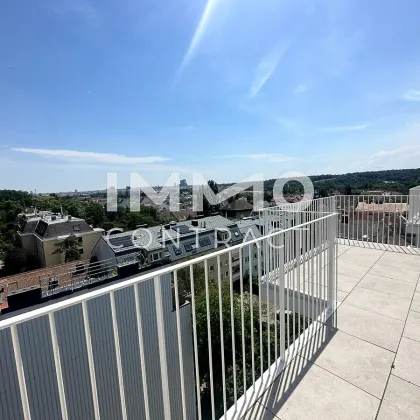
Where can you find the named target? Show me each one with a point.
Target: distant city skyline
(225, 88)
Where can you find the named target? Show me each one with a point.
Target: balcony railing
(392, 221)
(172, 344)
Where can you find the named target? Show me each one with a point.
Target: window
(80, 239)
(155, 256)
(227, 274)
(205, 242)
(246, 259)
(81, 251)
(255, 256)
(211, 268)
(255, 267)
(226, 262)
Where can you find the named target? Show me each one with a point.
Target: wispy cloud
(300, 89)
(266, 68)
(78, 156)
(402, 157)
(269, 157)
(344, 128)
(81, 8)
(412, 95)
(199, 33)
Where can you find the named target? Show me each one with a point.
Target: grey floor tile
(407, 363)
(413, 316)
(307, 392)
(415, 306)
(359, 259)
(381, 303)
(412, 326)
(396, 259)
(368, 252)
(397, 273)
(361, 363)
(342, 248)
(401, 401)
(377, 329)
(385, 285)
(259, 412)
(346, 283)
(351, 269)
(341, 296)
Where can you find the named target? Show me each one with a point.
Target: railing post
(332, 226)
(281, 300)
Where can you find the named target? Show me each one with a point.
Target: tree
(95, 212)
(75, 209)
(18, 260)
(251, 323)
(347, 190)
(69, 247)
(208, 209)
(323, 193)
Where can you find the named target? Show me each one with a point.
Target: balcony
(331, 330)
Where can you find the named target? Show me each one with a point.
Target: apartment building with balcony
(148, 247)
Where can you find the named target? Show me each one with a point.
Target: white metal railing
(197, 349)
(390, 220)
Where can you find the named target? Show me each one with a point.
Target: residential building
(146, 248)
(381, 208)
(41, 233)
(237, 209)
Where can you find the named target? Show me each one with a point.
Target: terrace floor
(368, 366)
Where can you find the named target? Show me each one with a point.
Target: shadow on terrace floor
(287, 383)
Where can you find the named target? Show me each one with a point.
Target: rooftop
(383, 207)
(368, 367)
(238, 205)
(52, 225)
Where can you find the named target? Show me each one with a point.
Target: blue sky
(222, 87)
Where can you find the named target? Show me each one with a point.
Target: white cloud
(412, 95)
(300, 89)
(402, 151)
(78, 156)
(402, 157)
(269, 157)
(344, 128)
(199, 33)
(266, 68)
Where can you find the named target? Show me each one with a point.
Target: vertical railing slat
(57, 363)
(20, 373)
